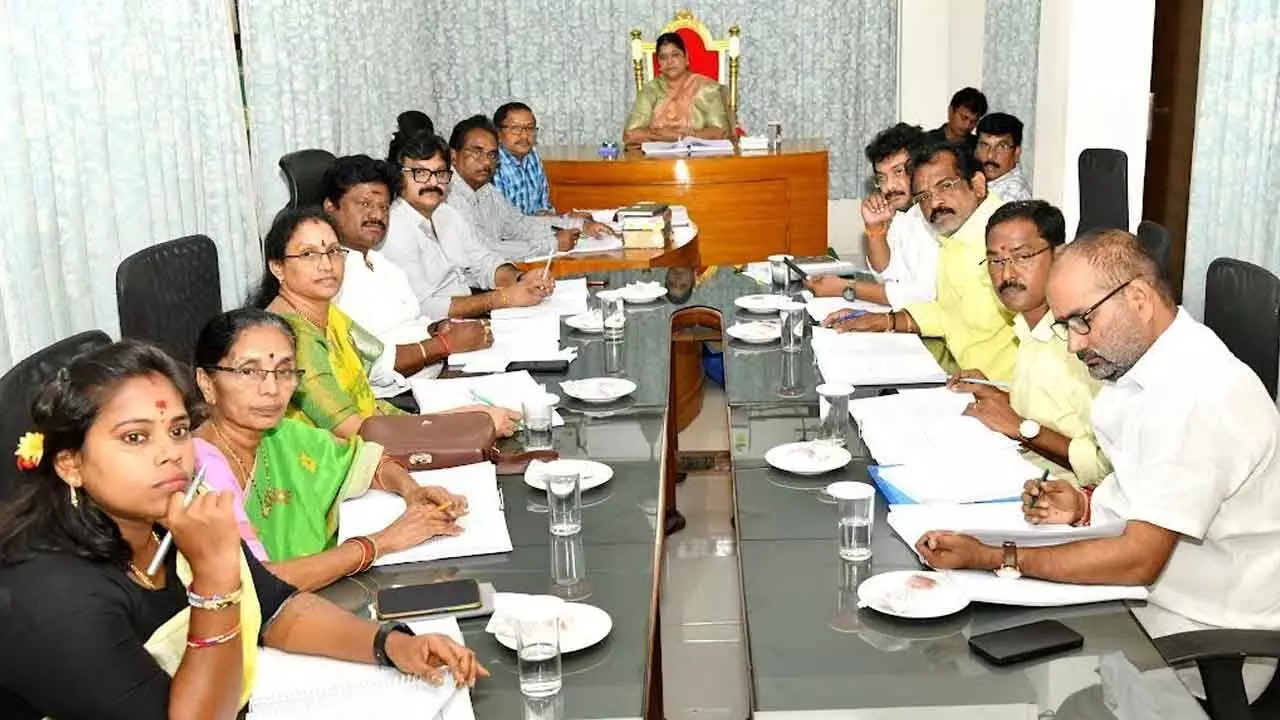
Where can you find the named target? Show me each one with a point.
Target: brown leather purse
(432, 442)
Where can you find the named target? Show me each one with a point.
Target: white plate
(912, 594)
(808, 458)
(761, 304)
(641, 292)
(581, 626)
(598, 390)
(592, 474)
(755, 333)
(587, 322)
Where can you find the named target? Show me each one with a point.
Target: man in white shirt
(375, 293)
(901, 247)
(1000, 150)
(1192, 435)
(436, 248)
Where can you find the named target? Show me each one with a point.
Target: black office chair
(1104, 190)
(1242, 305)
(304, 172)
(18, 388)
(1219, 655)
(1156, 240)
(166, 293)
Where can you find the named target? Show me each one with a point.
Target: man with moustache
(436, 248)
(498, 224)
(901, 247)
(999, 150)
(1193, 436)
(375, 292)
(1051, 393)
(952, 193)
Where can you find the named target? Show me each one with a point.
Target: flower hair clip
(30, 450)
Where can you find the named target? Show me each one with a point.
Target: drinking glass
(538, 410)
(614, 315)
(538, 646)
(793, 323)
(833, 409)
(564, 498)
(779, 272)
(855, 512)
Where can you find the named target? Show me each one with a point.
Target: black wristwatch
(380, 641)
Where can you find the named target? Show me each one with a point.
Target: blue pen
(851, 314)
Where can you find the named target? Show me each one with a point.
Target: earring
(75, 497)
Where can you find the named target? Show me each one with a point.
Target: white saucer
(897, 594)
(761, 304)
(581, 626)
(598, 390)
(592, 474)
(755, 333)
(641, 292)
(587, 322)
(808, 458)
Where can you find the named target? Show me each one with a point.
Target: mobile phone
(1025, 642)
(428, 599)
(539, 366)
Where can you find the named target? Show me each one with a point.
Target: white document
(991, 523)
(906, 440)
(304, 687)
(687, 146)
(861, 358)
(911, 404)
(529, 338)
(984, 586)
(962, 478)
(484, 527)
(506, 390)
(820, 307)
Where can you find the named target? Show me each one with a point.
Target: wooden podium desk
(747, 205)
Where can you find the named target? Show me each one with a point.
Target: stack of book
(645, 225)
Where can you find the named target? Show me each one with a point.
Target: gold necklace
(235, 456)
(302, 313)
(267, 496)
(137, 574)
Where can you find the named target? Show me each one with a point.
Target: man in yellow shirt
(952, 193)
(1049, 400)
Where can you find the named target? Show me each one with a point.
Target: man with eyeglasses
(1047, 405)
(436, 247)
(952, 194)
(999, 151)
(901, 247)
(498, 224)
(1195, 441)
(520, 177)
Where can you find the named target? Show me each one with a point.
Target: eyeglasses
(312, 257)
(997, 148)
(1015, 261)
(1079, 323)
(943, 186)
(521, 129)
(424, 175)
(895, 172)
(479, 154)
(251, 375)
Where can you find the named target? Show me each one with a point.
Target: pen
(477, 396)
(168, 536)
(1039, 487)
(989, 383)
(851, 314)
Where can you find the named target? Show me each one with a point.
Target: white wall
(1092, 91)
(939, 51)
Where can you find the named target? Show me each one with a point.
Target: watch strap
(380, 641)
(1010, 556)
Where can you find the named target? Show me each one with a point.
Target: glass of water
(855, 512)
(779, 272)
(564, 498)
(833, 409)
(793, 322)
(538, 410)
(614, 315)
(538, 646)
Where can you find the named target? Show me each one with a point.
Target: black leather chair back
(1242, 305)
(1156, 240)
(304, 172)
(167, 292)
(18, 388)
(1104, 190)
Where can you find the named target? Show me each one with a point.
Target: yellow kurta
(967, 313)
(1051, 386)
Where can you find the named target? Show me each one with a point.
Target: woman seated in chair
(287, 477)
(678, 102)
(305, 265)
(88, 630)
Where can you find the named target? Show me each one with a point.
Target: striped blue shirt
(522, 181)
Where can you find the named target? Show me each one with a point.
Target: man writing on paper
(436, 248)
(901, 246)
(1049, 399)
(952, 194)
(498, 224)
(1193, 436)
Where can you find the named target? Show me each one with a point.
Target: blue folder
(897, 497)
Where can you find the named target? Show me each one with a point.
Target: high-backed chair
(1156, 240)
(166, 293)
(709, 57)
(304, 172)
(1104, 189)
(1242, 305)
(18, 388)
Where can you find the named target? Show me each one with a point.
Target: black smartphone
(429, 599)
(1025, 642)
(540, 366)
(796, 269)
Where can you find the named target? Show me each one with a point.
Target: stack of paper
(991, 523)
(303, 687)
(570, 298)
(910, 404)
(484, 527)
(535, 336)
(687, 146)
(507, 390)
(860, 358)
(958, 479)
(986, 586)
(820, 307)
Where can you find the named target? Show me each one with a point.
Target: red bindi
(162, 404)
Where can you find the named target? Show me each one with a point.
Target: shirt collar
(401, 208)
(1164, 359)
(505, 156)
(1042, 332)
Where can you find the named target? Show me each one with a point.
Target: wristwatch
(1009, 566)
(1028, 429)
(848, 294)
(380, 641)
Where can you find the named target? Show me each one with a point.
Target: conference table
(812, 652)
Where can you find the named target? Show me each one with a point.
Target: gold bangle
(213, 602)
(422, 349)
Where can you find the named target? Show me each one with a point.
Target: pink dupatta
(675, 109)
(218, 477)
